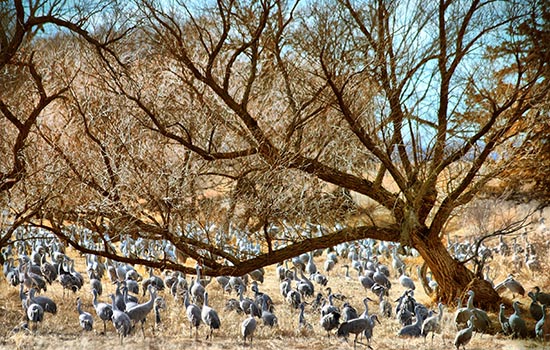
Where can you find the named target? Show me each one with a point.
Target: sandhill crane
(464, 336)
(330, 321)
(31, 279)
(415, 329)
(311, 268)
(121, 321)
(257, 275)
(348, 312)
(512, 285)
(248, 327)
(103, 311)
(84, 318)
(302, 323)
(534, 308)
(153, 280)
(267, 316)
(160, 304)
(35, 313)
(406, 281)
(193, 313)
(46, 303)
(481, 321)
(542, 328)
(517, 324)
(209, 316)
(503, 320)
(329, 307)
(433, 324)
(385, 306)
(139, 312)
(197, 290)
(353, 326)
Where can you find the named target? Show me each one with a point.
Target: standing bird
(121, 321)
(139, 312)
(209, 316)
(504, 322)
(415, 329)
(84, 318)
(302, 323)
(35, 314)
(512, 285)
(542, 328)
(353, 326)
(330, 321)
(534, 307)
(193, 315)
(517, 324)
(464, 336)
(248, 327)
(103, 311)
(47, 304)
(433, 324)
(197, 290)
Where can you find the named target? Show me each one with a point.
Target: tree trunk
(453, 278)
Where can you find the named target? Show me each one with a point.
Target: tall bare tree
(202, 124)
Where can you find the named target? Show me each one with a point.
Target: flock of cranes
(304, 290)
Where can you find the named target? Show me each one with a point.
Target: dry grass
(62, 330)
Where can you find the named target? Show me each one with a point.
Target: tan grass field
(62, 331)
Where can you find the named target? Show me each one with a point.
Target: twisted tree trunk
(453, 278)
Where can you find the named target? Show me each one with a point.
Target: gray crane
(153, 280)
(406, 281)
(139, 312)
(103, 311)
(534, 308)
(542, 328)
(328, 306)
(517, 324)
(85, 319)
(348, 312)
(31, 279)
(432, 324)
(464, 336)
(512, 285)
(302, 322)
(354, 326)
(330, 321)
(209, 316)
(248, 327)
(369, 330)
(385, 306)
(311, 268)
(47, 304)
(35, 313)
(503, 320)
(121, 321)
(246, 303)
(267, 316)
(193, 313)
(197, 290)
(415, 329)
(160, 304)
(482, 322)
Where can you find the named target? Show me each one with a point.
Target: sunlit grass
(62, 330)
